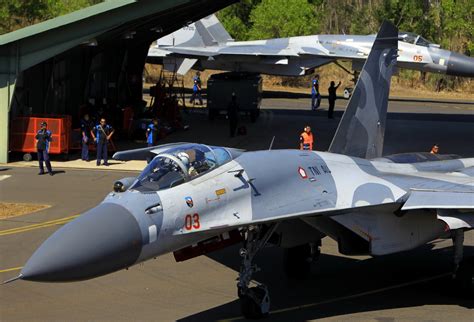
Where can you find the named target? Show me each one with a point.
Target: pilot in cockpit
(185, 159)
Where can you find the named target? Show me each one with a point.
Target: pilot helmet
(184, 157)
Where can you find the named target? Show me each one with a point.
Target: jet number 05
(192, 222)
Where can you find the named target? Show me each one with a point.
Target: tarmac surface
(408, 286)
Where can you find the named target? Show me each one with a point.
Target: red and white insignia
(302, 173)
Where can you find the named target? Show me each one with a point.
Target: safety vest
(307, 141)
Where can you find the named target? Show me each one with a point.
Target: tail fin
(362, 127)
(206, 32)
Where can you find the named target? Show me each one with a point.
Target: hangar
(95, 55)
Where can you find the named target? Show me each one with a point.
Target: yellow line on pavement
(60, 221)
(10, 269)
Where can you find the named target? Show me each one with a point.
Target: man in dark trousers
(43, 139)
(315, 95)
(233, 114)
(152, 135)
(332, 98)
(86, 127)
(102, 134)
(196, 89)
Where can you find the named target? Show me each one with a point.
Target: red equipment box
(24, 129)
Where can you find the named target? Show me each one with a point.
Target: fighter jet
(205, 44)
(192, 199)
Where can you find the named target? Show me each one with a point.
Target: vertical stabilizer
(206, 32)
(362, 127)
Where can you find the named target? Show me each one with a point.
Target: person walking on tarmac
(86, 127)
(102, 133)
(43, 140)
(315, 95)
(306, 139)
(233, 114)
(332, 98)
(196, 89)
(152, 132)
(152, 135)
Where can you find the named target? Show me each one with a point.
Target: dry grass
(12, 209)
(400, 87)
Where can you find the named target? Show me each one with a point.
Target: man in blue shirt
(102, 134)
(86, 127)
(152, 133)
(196, 89)
(315, 95)
(43, 140)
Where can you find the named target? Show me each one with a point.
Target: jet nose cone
(105, 239)
(460, 65)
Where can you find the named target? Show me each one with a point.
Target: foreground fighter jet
(192, 199)
(205, 44)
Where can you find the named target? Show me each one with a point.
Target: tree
(282, 18)
(236, 18)
(16, 14)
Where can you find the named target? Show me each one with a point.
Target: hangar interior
(92, 56)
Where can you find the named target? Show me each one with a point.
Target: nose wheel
(255, 300)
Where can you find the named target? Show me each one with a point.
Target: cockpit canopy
(180, 164)
(414, 39)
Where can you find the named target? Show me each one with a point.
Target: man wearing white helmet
(184, 157)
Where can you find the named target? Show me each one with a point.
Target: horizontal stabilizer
(436, 199)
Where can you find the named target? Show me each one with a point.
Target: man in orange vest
(306, 139)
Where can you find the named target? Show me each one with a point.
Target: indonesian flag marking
(302, 173)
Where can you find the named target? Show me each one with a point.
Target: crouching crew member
(306, 139)
(102, 133)
(43, 139)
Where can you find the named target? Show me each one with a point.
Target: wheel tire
(27, 157)
(465, 277)
(249, 307)
(296, 262)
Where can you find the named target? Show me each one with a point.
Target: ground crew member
(315, 95)
(102, 133)
(434, 149)
(332, 98)
(306, 139)
(152, 133)
(86, 127)
(43, 140)
(196, 89)
(233, 114)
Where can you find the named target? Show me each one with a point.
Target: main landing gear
(463, 273)
(254, 301)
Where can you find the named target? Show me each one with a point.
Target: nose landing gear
(254, 301)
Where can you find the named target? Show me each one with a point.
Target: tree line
(449, 23)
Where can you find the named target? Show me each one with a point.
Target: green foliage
(283, 18)
(16, 14)
(236, 18)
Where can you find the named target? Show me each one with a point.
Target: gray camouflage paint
(334, 193)
(209, 43)
(361, 130)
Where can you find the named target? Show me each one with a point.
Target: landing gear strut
(254, 301)
(463, 274)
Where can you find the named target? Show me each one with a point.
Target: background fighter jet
(192, 199)
(205, 44)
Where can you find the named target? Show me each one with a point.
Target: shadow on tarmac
(340, 286)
